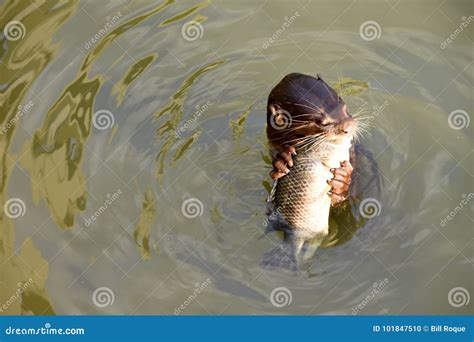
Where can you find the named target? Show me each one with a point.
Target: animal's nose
(349, 126)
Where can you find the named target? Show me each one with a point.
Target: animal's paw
(340, 182)
(283, 162)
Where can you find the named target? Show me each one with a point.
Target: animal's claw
(283, 162)
(340, 182)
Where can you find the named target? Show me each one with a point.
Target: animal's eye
(322, 121)
(326, 123)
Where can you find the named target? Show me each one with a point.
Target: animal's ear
(274, 108)
(278, 115)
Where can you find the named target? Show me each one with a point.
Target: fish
(299, 204)
(305, 115)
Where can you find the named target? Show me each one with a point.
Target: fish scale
(300, 197)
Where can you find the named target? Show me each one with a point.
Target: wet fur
(319, 119)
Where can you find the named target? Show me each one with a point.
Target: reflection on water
(145, 224)
(184, 86)
(22, 62)
(166, 132)
(133, 73)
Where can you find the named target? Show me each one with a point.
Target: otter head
(301, 106)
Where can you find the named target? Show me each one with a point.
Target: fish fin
(280, 257)
(310, 247)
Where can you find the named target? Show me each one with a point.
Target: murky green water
(164, 207)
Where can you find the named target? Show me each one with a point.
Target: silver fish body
(300, 199)
(299, 204)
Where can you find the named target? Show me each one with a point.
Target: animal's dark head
(302, 105)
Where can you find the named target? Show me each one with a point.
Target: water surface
(165, 191)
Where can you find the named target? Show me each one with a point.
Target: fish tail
(281, 257)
